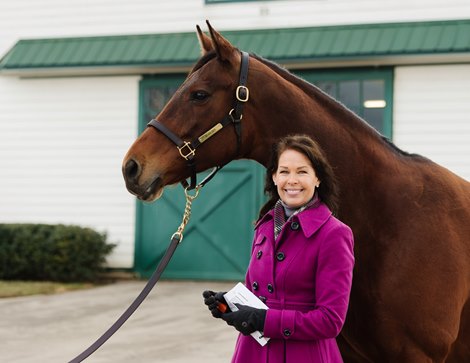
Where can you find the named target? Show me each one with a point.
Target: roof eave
(293, 64)
(377, 61)
(94, 71)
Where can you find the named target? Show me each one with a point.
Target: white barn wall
(80, 128)
(432, 114)
(61, 146)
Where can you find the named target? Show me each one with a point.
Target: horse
(410, 298)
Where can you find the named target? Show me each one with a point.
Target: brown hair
(327, 191)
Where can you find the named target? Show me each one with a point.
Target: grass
(26, 288)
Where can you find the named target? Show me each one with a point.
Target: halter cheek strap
(187, 149)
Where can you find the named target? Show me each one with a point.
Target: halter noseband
(187, 149)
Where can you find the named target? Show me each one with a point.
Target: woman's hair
(328, 189)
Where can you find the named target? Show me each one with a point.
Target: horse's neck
(347, 140)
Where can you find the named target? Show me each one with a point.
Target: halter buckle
(242, 93)
(189, 153)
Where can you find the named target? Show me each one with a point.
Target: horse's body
(410, 301)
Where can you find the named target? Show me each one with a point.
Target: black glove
(212, 300)
(246, 320)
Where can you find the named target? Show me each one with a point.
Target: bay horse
(410, 300)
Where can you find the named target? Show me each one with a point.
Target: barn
(80, 80)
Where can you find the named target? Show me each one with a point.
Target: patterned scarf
(280, 218)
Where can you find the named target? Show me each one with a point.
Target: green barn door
(217, 240)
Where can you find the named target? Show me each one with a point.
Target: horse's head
(197, 113)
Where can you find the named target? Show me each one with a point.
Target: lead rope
(176, 238)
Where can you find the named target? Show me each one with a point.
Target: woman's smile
(293, 191)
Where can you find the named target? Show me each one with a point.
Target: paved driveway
(172, 325)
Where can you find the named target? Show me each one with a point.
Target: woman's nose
(292, 179)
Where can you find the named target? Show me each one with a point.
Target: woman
(301, 263)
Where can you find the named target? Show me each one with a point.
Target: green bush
(51, 252)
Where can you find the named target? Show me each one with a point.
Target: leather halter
(187, 149)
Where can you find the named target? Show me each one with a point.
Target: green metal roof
(287, 46)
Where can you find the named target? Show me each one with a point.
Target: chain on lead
(187, 213)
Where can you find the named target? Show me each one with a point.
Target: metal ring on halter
(196, 192)
(233, 118)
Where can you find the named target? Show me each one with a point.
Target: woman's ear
(274, 178)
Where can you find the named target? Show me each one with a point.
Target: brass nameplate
(210, 133)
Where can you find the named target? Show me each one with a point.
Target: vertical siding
(61, 145)
(432, 114)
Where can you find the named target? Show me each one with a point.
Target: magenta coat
(305, 279)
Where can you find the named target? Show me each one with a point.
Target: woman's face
(295, 178)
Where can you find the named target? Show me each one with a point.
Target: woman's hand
(246, 319)
(215, 302)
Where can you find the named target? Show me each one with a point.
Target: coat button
(255, 285)
(270, 288)
(259, 254)
(263, 298)
(287, 332)
(294, 226)
(280, 256)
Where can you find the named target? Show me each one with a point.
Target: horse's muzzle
(149, 191)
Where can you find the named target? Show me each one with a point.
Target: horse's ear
(225, 51)
(204, 41)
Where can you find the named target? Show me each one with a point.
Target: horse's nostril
(131, 169)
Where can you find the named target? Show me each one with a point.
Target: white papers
(241, 295)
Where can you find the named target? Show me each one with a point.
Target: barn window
(367, 92)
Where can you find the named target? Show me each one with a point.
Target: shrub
(51, 252)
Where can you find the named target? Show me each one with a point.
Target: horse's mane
(314, 91)
(203, 60)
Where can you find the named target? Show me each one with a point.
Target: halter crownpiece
(187, 149)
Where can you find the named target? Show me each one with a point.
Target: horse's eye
(199, 95)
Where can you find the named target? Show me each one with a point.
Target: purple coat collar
(310, 220)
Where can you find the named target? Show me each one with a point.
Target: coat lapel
(312, 219)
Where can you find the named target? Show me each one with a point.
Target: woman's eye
(199, 95)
